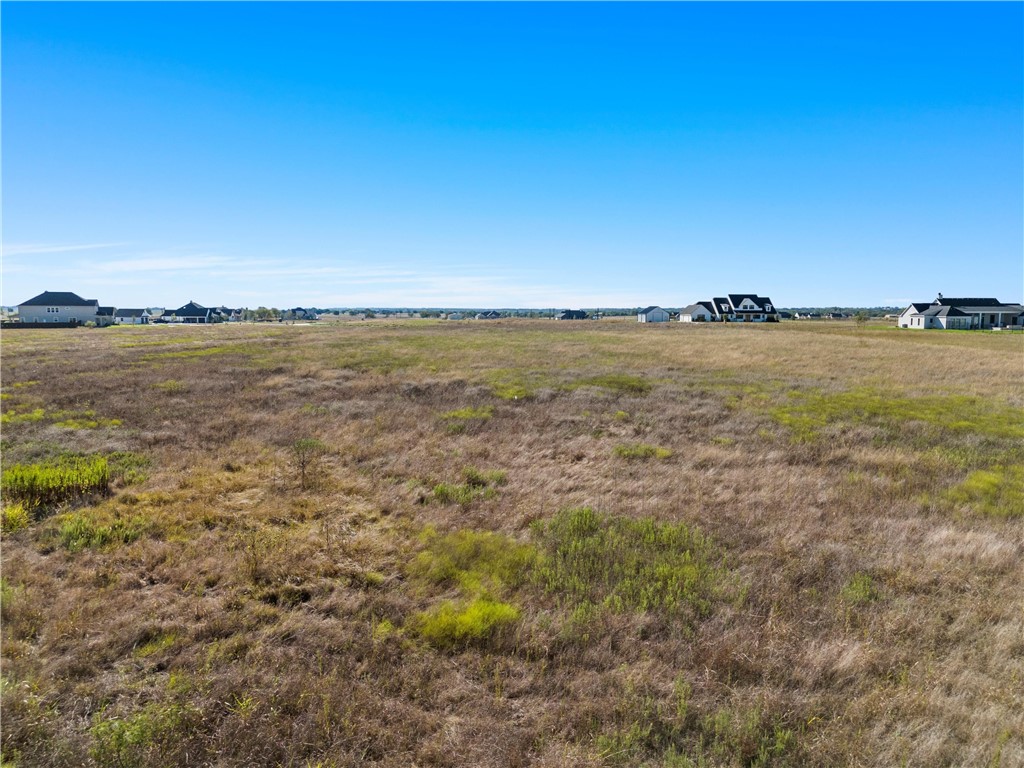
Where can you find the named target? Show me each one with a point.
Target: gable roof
(131, 313)
(648, 310)
(105, 311)
(572, 314)
(192, 310)
(705, 305)
(58, 299)
(761, 301)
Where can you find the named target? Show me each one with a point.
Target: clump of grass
(641, 452)
(147, 736)
(619, 383)
(451, 625)
(624, 564)
(14, 517)
(12, 416)
(459, 420)
(171, 387)
(128, 467)
(46, 484)
(483, 566)
(80, 530)
(67, 419)
(998, 491)
(860, 590)
(474, 561)
(476, 485)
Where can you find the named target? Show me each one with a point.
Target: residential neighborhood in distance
(67, 309)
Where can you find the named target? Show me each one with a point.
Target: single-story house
(454, 315)
(736, 308)
(192, 313)
(490, 314)
(571, 314)
(652, 315)
(701, 312)
(58, 307)
(965, 314)
(131, 316)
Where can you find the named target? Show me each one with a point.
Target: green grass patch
(998, 491)
(475, 562)
(171, 387)
(805, 414)
(454, 625)
(14, 517)
(624, 564)
(461, 419)
(860, 590)
(67, 419)
(51, 483)
(619, 383)
(476, 485)
(91, 530)
(641, 452)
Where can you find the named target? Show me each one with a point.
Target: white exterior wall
(654, 316)
(698, 315)
(63, 314)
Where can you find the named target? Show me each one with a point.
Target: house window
(53, 309)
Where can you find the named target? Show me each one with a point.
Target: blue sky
(531, 155)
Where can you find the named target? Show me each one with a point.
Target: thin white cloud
(35, 249)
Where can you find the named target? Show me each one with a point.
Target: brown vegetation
(515, 543)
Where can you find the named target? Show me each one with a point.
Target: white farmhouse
(965, 314)
(701, 312)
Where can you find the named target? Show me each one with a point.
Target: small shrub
(478, 485)
(308, 455)
(642, 452)
(14, 518)
(451, 626)
(171, 387)
(475, 561)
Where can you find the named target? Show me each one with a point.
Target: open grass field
(512, 543)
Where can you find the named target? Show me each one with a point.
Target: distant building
(652, 315)
(490, 314)
(965, 314)
(131, 317)
(104, 316)
(734, 308)
(192, 313)
(58, 307)
(571, 314)
(701, 312)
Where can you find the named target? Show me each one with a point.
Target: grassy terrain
(512, 543)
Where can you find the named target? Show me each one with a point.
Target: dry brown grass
(259, 622)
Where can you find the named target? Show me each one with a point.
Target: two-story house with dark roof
(963, 314)
(58, 307)
(734, 308)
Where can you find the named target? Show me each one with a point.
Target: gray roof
(130, 313)
(968, 302)
(939, 311)
(705, 305)
(105, 311)
(192, 310)
(59, 299)
(737, 298)
(647, 310)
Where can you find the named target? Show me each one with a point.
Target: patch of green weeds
(171, 387)
(452, 625)
(51, 483)
(62, 418)
(476, 562)
(161, 642)
(998, 491)
(128, 467)
(641, 452)
(807, 413)
(483, 566)
(143, 738)
(619, 383)
(624, 564)
(459, 420)
(476, 485)
(83, 530)
(860, 590)
(14, 517)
